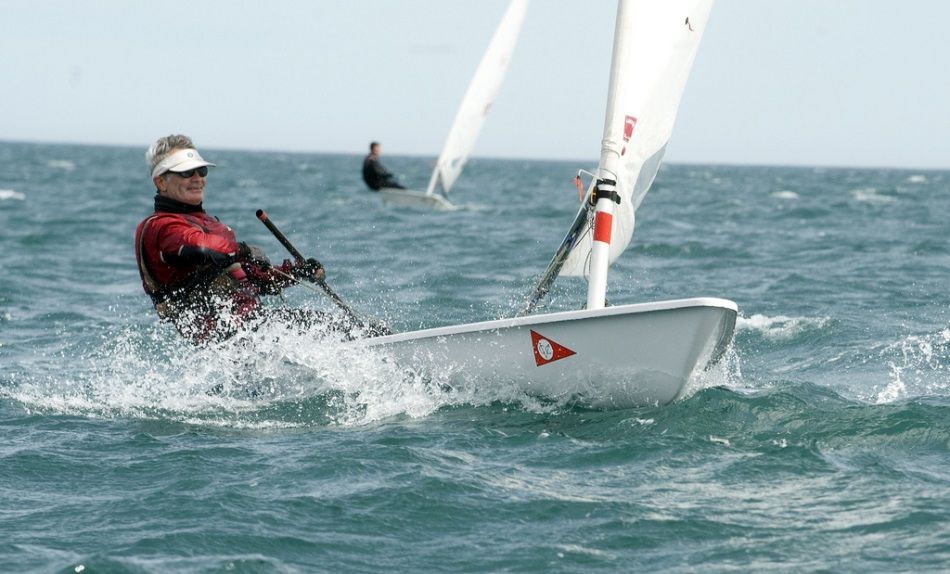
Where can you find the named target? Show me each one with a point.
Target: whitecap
(894, 389)
(785, 194)
(870, 195)
(10, 194)
(917, 365)
(780, 327)
(63, 164)
(604, 555)
(917, 178)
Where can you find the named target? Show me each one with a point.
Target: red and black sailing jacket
(197, 274)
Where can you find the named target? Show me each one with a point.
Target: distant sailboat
(470, 116)
(614, 356)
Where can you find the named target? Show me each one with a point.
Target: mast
(434, 179)
(655, 43)
(605, 190)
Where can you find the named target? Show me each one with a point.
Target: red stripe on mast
(603, 223)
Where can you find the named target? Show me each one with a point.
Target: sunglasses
(202, 171)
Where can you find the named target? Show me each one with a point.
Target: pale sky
(782, 82)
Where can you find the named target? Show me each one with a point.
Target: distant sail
(478, 99)
(655, 45)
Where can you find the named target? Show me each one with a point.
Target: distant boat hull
(617, 357)
(420, 199)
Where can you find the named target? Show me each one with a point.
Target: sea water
(820, 443)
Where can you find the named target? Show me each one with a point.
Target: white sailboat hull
(419, 199)
(617, 357)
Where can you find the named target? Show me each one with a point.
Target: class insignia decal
(547, 351)
(629, 122)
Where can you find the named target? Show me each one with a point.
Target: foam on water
(780, 327)
(63, 164)
(726, 372)
(871, 195)
(918, 366)
(6, 194)
(275, 376)
(785, 194)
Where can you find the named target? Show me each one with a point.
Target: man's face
(190, 190)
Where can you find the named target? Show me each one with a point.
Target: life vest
(194, 296)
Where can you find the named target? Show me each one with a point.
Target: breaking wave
(6, 194)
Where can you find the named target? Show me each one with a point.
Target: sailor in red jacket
(192, 266)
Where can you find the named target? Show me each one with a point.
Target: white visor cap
(181, 160)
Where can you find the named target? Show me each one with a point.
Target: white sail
(654, 46)
(478, 99)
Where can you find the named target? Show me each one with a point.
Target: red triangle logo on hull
(547, 351)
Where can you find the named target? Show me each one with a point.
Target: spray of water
(275, 375)
(917, 365)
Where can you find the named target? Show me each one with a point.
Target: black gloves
(253, 254)
(309, 270)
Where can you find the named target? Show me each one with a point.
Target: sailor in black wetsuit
(374, 174)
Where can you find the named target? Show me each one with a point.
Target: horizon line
(484, 157)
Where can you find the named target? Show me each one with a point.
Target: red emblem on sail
(629, 122)
(547, 351)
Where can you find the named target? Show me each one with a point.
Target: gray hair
(163, 146)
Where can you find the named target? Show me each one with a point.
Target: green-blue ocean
(820, 443)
